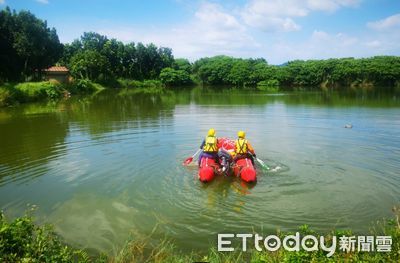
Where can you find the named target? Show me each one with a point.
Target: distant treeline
(222, 70)
(27, 46)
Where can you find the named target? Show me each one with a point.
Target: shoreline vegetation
(29, 47)
(21, 240)
(14, 94)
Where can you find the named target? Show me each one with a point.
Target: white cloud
(374, 44)
(212, 31)
(43, 1)
(331, 5)
(273, 15)
(271, 24)
(389, 23)
(323, 45)
(2, 2)
(319, 45)
(278, 15)
(274, 8)
(211, 15)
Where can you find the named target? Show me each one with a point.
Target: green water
(107, 167)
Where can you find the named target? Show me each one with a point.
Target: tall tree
(90, 64)
(27, 44)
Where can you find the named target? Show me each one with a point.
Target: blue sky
(277, 30)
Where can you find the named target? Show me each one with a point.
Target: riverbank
(12, 94)
(22, 240)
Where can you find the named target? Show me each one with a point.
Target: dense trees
(222, 70)
(175, 77)
(89, 64)
(98, 58)
(27, 45)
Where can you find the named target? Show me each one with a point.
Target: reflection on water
(104, 167)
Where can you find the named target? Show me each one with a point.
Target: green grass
(36, 91)
(23, 241)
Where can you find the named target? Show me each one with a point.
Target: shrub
(22, 241)
(170, 77)
(32, 91)
(5, 97)
(83, 86)
(152, 84)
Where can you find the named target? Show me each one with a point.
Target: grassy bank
(35, 91)
(11, 93)
(23, 241)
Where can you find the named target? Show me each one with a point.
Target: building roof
(57, 69)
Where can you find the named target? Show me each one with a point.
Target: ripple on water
(113, 171)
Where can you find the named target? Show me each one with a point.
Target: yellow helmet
(241, 134)
(211, 132)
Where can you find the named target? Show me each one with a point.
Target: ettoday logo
(307, 243)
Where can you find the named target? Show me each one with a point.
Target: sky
(277, 30)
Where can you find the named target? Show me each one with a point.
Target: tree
(182, 64)
(90, 64)
(113, 50)
(174, 77)
(30, 45)
(93, 41)
(10, 63)
(240, 73)
(69, 51)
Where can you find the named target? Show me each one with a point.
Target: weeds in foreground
(23, 241)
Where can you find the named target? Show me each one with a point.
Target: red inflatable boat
(242, 168)
(207, 170)
(245, 169)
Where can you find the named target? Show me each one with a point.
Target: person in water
(209, 146)
(243, 148)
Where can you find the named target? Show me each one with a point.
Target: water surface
(106, 167)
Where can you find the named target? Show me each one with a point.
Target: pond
(107, 167)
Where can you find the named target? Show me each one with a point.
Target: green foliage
(130, 87)
(182, 64)
(23, 241)
(5, 96)
(152, 84)
(98, 58)
(223, 70)
(83, 86)
(9, 95)
(175, 77)
(89, 64)
(127, 83)
(268, 85)
(33, 91)
(366, 72)
(213, 71)
(27, 45)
